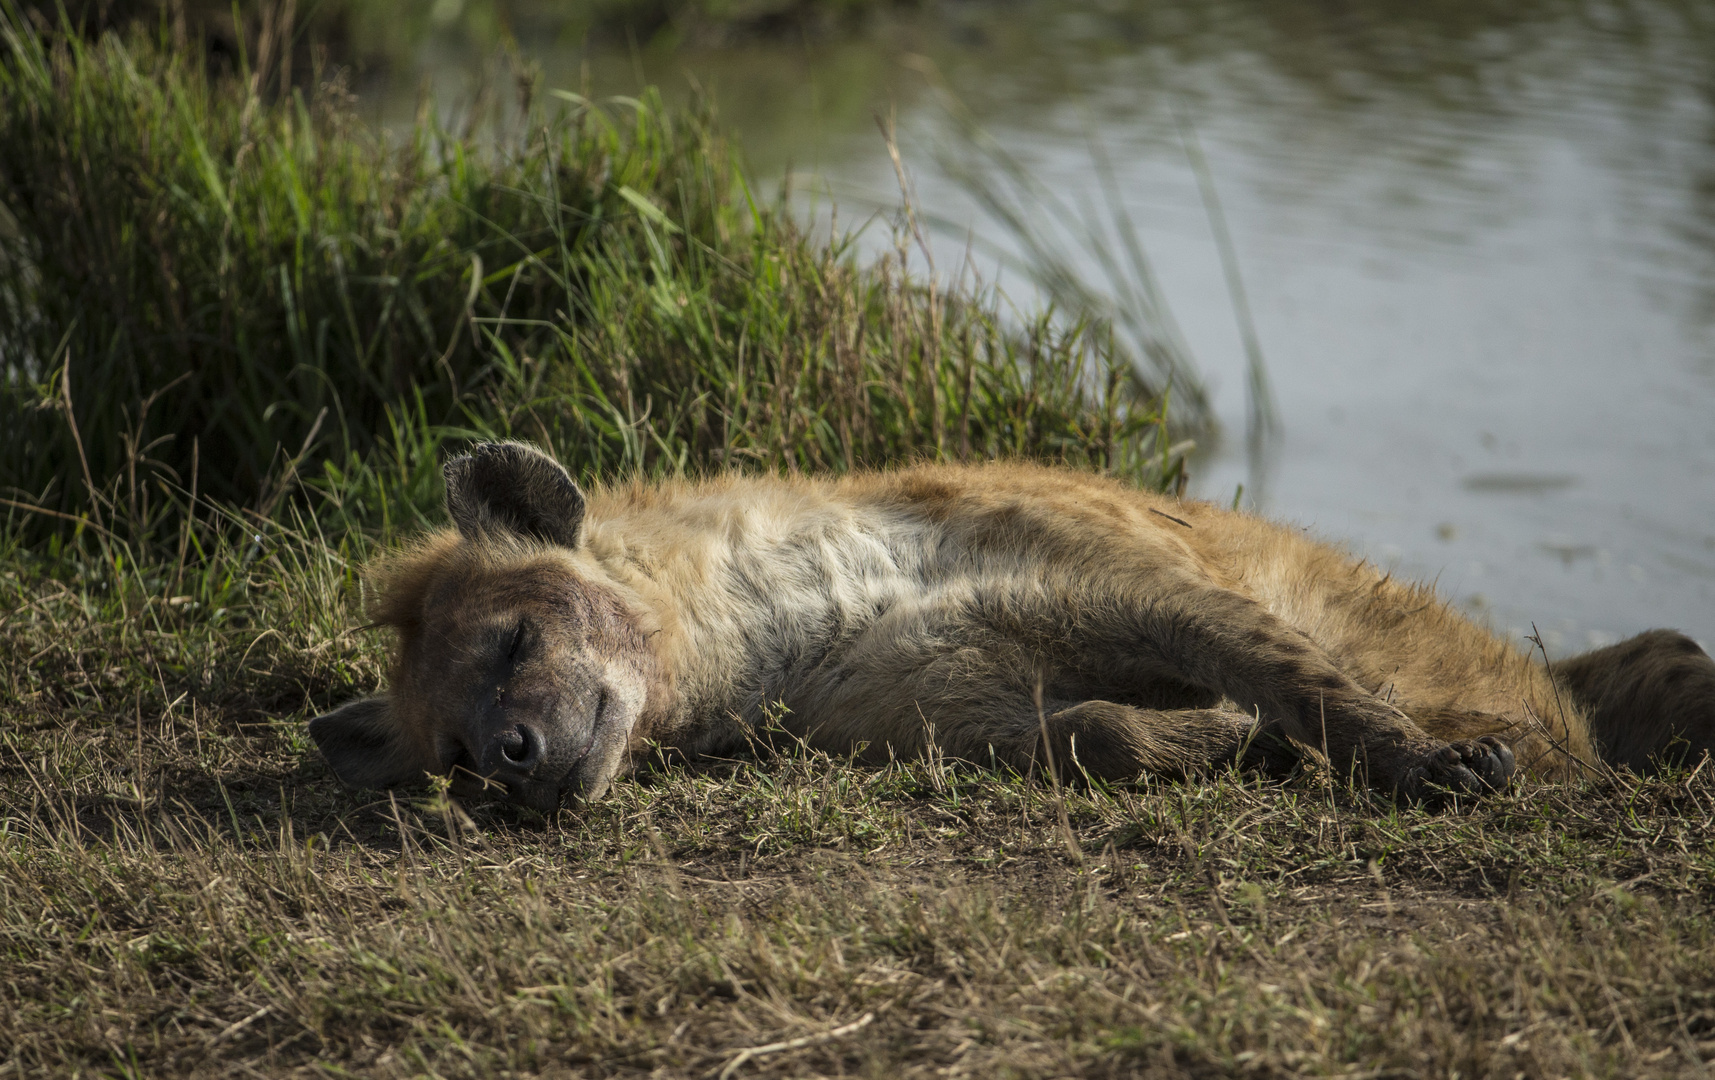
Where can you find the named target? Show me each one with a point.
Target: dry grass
(185, 889)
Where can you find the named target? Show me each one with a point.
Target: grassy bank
(209, 290)
(185, 889)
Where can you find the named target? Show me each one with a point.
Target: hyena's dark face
(515, 675)
(523, 678)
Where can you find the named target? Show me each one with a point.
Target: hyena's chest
(781, 609)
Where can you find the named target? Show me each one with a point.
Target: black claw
(1409, 790)
(1463, 768)
(1504, 754)
(1490, 771)
(1492, 761)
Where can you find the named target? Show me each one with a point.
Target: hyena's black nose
(516, 749)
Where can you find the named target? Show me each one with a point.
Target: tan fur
(981, 608)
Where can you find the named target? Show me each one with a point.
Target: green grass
(185, 889)
(207, 292)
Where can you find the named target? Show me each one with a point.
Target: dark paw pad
(1490, 761)
(1463, 768)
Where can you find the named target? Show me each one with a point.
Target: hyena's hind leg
(1650, 700)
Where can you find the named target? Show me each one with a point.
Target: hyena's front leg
(1110, 741)
(926, 680)
(1183, 629)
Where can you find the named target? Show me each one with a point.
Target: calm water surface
(1478, 241)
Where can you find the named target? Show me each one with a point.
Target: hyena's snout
(516, 749)
(530, 746)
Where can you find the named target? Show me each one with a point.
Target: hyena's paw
(1268, 752)
(1472, 768)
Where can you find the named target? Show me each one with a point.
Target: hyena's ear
(361, 742)
(511, 487)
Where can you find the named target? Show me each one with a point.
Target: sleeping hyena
(1002, 613)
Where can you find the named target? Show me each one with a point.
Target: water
(1478, 241)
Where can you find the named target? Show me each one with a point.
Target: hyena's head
(516, 670)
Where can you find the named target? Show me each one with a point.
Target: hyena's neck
(751, 595)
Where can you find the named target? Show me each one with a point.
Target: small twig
(240, 1025)
(190, 515)
(1702, 761)
(907, 193)
(445, 360)
(1170, 517)
(290, 472)
(1072, 847)
(77, 439)
(795, 1044)
(1259, 400)
(932, 331)
(142, 796)
(86, 522)
(1562, 744)
(1327, 759)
